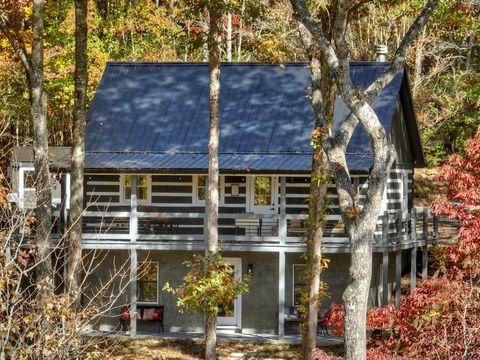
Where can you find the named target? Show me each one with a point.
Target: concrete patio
(222, 337)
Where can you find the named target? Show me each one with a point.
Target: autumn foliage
(440, 319)
(209, 286)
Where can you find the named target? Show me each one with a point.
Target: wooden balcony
(145, 227)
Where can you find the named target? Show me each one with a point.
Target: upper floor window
(143, 184)
(202, 188)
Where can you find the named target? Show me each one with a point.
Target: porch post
(385, 278)
(62, 227)
(413, 254)
(398, 277)
(413, 267)
(281, 294)
(282, 230)
(424, 261)
(133, 227)
(133, 291)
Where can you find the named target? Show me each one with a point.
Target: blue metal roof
(155, 116)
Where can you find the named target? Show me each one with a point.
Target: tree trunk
(355, 297)
(318, 192)
(205, 24)
(240, 32)
(78, 151)
(210, 336)
(419, 61)
(212, 199)
(316, 211)
(40, 150)
(229, 37)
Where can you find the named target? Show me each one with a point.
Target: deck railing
(145, 224)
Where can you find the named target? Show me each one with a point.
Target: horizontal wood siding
(102, 191)
(171, 190)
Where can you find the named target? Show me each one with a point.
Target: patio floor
(223, 337)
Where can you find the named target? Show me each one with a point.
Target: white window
(143, 188)
(202, 185)
(147, 284)
(201, 189)
(298, 283)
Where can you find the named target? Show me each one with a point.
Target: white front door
(232, 314)
(263, 194)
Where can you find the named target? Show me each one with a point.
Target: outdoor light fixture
(250, 269)
(235, 190)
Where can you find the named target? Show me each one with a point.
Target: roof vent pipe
(381, 51)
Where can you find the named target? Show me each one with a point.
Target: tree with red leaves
(441, 318)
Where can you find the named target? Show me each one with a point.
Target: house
(147, 135)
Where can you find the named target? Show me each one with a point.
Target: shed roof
(155, 116)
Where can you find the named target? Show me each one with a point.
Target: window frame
(293, 279)
(195, 188)
(124, 200)
(139, 279)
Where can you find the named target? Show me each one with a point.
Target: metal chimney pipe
(381, 51)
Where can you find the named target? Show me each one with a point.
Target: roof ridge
(233, 63)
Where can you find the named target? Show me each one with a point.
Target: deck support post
(435, 229)
(398, 277)
(133, 228)
(413, 254)
(424, 262)
(133, 291)
(62, 229)
(281, 294)
(413, 268)
(385, 278)
(282, 226)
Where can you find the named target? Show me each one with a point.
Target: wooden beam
(133, 228)
(435, 229)
(133, 292)
(413, 253)
(282, 229)
(424, 262)
(413, 268)
(385, 278)
(398, 277)
(281, 295)
(133, 218)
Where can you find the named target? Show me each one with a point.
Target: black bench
(144, 312)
